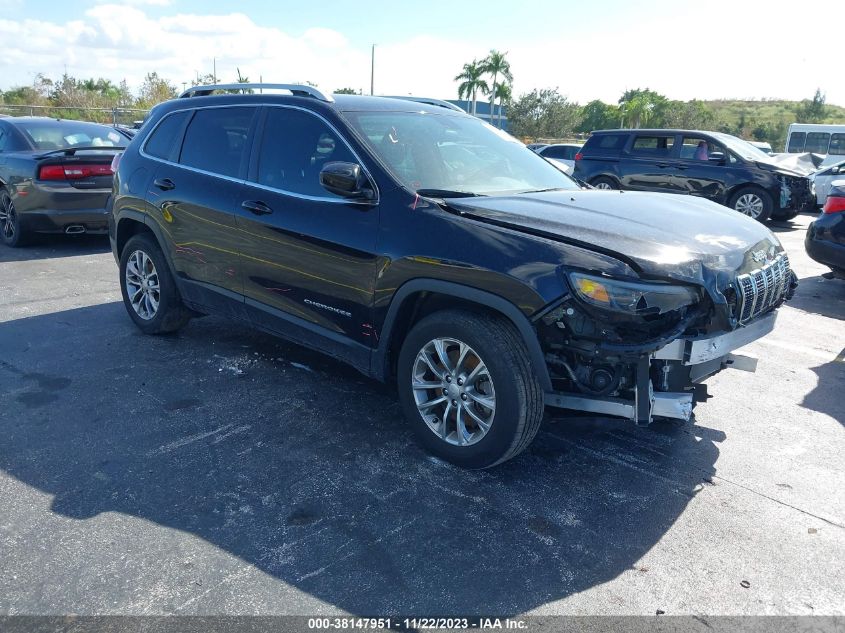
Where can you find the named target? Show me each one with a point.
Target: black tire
(11, 232)
(747, 194)
(603, 182)
(518, 397)
(784, 215)
(170, 314)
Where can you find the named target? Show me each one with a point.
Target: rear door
(195, 193)
(648, 164)
(308, 255)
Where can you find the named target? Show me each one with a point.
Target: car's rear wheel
(10, 223)
(753, 202)
(149, 291)
(467, 386)
(603, 182)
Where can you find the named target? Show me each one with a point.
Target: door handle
(663, 165)
(682, 167)
(257, 207)
(165, 184)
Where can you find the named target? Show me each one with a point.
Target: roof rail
(429, 101)
(295, 89)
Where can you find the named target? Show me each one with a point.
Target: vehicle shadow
(305, 470)
(784, 226)
(820, 296)
(827, 395)
(55, 246)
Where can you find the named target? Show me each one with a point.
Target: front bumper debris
(704, 356)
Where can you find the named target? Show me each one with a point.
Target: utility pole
(372, 70)
(214, 62)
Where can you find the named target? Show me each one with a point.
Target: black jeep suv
(720, 167)
(425, 247)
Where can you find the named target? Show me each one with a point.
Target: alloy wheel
(142, 285)
(8, 218)
(603, 185)
(453, 391)
(750, 204)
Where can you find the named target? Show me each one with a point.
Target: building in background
(482, 111)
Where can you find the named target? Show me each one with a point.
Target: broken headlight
(632, 297)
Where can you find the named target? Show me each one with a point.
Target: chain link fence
(112, 116)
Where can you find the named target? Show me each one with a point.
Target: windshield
(460, 154)
(743, 149)
(50, 134)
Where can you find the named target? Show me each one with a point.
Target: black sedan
(825, 241)
(55, 176)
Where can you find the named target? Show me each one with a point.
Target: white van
(817, 138)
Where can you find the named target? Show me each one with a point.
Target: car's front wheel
(149, 291)
(753, 202)
(468, 388)
(603, 182)
(10, 223)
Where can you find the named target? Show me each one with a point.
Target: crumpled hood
(663, 235)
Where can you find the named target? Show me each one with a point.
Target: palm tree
(503, 94)
(495, 64)
(471, 82)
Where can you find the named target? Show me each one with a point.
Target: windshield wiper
(446, 193)
(544, 190)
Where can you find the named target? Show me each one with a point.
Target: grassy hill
(765, 120)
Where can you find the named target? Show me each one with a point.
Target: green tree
(639, 106)
(503, 94)
(346, 91)
(813, 111)
(496, 64)
(472, 82)
(154, 90)
(598, 115)
(543, 114)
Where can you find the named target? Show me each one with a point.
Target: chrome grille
(760, 289)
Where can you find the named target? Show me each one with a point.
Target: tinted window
(294, 147)
(817, 142)
(566, 153)
(653, 145)
(606, 142)
(796, 142)
(215, 140)
(2, 139)
(837, 145)
(163, 140)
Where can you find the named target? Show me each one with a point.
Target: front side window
(295, 145)
(837, 145)
(817, 142)
(215, 140)
(697, 148)
(653, 145)
(454, 153)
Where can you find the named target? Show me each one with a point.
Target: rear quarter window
(605, 143)
(163, 140)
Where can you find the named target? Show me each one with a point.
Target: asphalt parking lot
(223, 471)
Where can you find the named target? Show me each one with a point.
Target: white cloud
(720, 57)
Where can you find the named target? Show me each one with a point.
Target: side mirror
(347, 180)
(717, 157)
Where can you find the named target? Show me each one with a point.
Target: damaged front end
(638, 349)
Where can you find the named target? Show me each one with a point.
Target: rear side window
(215, 140)
(564, 153)
(837, 145)
(653, 145)
(603, 143)
(162, 142)
(294, 147)
(796, 142)
(817, 142)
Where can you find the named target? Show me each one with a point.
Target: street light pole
(372, 70)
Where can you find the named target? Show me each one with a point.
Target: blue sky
(713, 49)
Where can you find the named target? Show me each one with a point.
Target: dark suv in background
(720, 167)
(426, 248)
